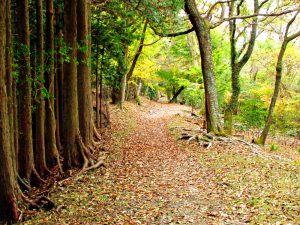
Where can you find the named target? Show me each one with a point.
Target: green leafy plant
(274, 147)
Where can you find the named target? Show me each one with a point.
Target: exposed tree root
(208, 139)
(23, 185)
(59, 164)
(95, 166)
(96, 133)
(81, 148)
(42, 202)
(96, 143)
(85, 151)
(36, 178)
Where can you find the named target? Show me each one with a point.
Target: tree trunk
(139, 87)
(83, 73)
(100, 96)
(26, 163)
(123, 90)
(264, 134)
(123, 69)
(174, 99)
(237, 65)
(202, 29)
(97, 88)
(10, 82)
(8, 201)
(50, 123)
(59, 79)
(279, 65)
(70, 99)
(138, 52)
(40, 158)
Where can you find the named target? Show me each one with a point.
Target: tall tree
(83, 72)
(40, 158)
(50, 123)
(10, 84)
(8, 201)
(278, 75)
(202, 29)
(26, 163)
(238, 59)
(70, 100)
(58, 74)
(137, 53)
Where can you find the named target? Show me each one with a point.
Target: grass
(253, 189)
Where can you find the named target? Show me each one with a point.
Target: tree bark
(59, 78)
(10, 83)
(26, 163)
(40, 157)
(97, 87)
(202, 29)
(8, 201)
(70, 99)
(83, 72)
(50, 123)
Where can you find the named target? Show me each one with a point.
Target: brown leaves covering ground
(152, 178)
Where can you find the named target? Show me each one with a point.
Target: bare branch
(289, 24)
(213, 6)
(261, 4)
(172, 34)
(260, 14)
(153, 42)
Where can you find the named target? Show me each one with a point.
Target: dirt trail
(155, 181)
(152, 178)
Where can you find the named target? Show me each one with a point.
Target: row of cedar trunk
(31, 141)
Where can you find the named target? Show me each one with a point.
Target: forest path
(152, 178)
(159, 183)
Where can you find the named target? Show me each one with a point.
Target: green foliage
(221, 56)
(273, 147)
(253, 109)
(193, 95)
(138, 100)
(152, 92)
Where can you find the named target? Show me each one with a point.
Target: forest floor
(151, 177)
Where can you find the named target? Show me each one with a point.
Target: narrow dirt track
(155, 181)
(152, 178)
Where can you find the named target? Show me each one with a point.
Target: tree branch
(214, 5)
(261, 4)
(172, 34)
(259, 14)
(152, 43)
(293, 36)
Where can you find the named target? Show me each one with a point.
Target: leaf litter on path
(154, 179)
